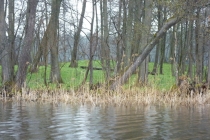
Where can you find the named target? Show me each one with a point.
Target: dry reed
(102, 96)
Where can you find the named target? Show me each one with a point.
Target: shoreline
(119, 97)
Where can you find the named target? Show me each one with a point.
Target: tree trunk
(11, 34)
(172, 48)
(119, 40)
(162, 52)
(5, 49)
(128, 39)
(157, 53)
(162, 42)
(77, 37)
(92, 45)
(55, 76)
(199, 49)
(24, 58)
(175, 65)
(208, 79)
(143, 71)
(172, 21)
(105, 50)
(43, 49)
(190, 48)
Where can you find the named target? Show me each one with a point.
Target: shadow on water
(23, 120)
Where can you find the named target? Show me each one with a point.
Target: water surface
(31, 120)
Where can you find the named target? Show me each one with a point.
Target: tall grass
(99, 97)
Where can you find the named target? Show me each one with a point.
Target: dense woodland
(129, 32)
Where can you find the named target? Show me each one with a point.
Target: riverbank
(135, 96)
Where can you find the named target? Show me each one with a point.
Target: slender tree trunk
(24, 58)
(128, 39)
(124, 36)
(92, 44)
(105, 50)
(43, 49)
(157, 53)
(143, 71)
(175, 65)
(137, 30)
(172, 48)
(208, 78)
(77, 37)
(119, 39)
(190, 48)
(185, 47)
(199, 48)
(5, 50)
(162, 52)
(55, 76)
(162, 43)
(11, 34)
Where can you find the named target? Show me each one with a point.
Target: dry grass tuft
(120, 97)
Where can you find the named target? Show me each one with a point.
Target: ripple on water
(47, 121)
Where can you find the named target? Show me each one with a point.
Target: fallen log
(94, 68)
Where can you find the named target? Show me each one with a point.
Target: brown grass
(119, 97)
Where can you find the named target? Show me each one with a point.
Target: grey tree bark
(24, 57)
(157, 53)
(163, 41)
(143, 70)
(55, 76)
(199, 48)
(5, 49)
(11, 34)
(119, 39)
(190, 48)
(129, 34)
(73, 62)
(105, 50)
(43, 49)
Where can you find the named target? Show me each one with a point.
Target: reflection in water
(22, 120)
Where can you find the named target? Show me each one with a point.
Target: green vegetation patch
(73, 77)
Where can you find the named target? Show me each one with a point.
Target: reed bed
(102, 96)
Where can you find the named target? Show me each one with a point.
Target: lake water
(41, 121)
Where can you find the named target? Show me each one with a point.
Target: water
(24, 121)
